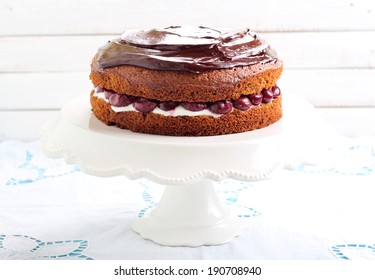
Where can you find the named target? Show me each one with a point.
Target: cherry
(256, 99)
(267, 95)
(108, 93)
(243, 103)
(119, 100)
(194, 106)
(221, 107)
(144, 105)
(276, 91)
(168, 105)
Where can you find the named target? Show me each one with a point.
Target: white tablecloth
(52, 210)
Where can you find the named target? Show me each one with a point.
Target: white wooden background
(328, 48)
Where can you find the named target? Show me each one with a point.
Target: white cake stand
(189, 213)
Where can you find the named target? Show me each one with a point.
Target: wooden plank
(325, 50)
(323, 88)
(26, 125)
(48, 54)
(298, 50)
(332, 87)
(42, 90)
(113, 16)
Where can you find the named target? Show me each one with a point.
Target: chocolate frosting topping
(191, 49)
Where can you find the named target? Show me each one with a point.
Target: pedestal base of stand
(190, 215)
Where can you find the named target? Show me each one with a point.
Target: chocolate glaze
(191, 49)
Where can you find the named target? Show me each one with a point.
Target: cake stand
(189, 212)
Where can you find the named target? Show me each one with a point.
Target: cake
(187, 81)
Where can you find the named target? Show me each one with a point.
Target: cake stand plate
(189, 213)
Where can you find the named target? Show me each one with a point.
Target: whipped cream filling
(178, 111)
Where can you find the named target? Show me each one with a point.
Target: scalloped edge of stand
(71, 158)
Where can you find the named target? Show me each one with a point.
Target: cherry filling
(145, 105)
(194, 106)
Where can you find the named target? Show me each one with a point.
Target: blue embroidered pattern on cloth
(354, 251)
(25, 247)
(228, 190)
(358, 160)
(31, 166)
(147, 197)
